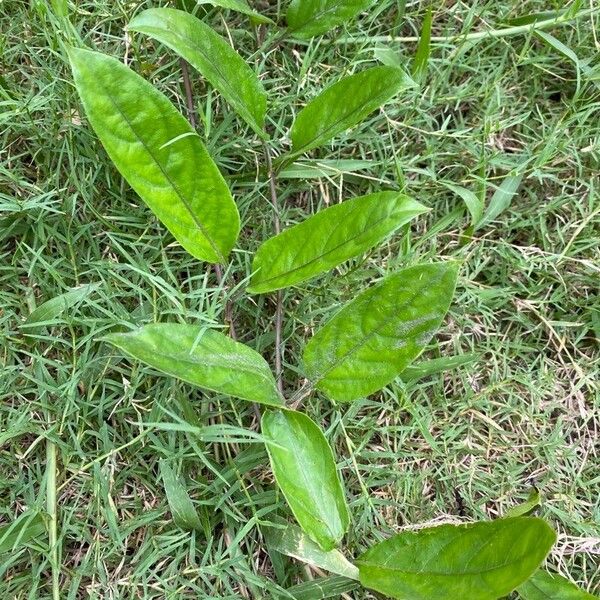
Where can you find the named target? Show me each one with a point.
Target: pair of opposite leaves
(161, 156)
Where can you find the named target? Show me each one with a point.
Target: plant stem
(51, 510)
(279, 298)
(188, 92)
(476, 35)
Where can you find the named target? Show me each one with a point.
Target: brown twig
(187, 84)
(279, 298)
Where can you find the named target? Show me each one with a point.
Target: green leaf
(329, 238)
(179, 181)
(239, 6)
(544, 586)
(377, 335)
(501, 199)
(421, 59)
(321, 588)
(326, 168)
(291, 541)
(202, 357)
(480, 561)
(304, 468)
(25, 528)
(308, 18)
(51, 309)
(180, 503)
(472, 202)
(212, 56)
(436, 365)
(344, 104)
(520, 510)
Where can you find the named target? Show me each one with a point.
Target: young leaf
(202, 357)
(159, 154)
(525, 508)
(472, 202)
(329, 238)
(291, 541)
(377, 335)
(51, 309)
(25, 528)
(501, 199)
(424, 48)
(480, 561)
(180, 503)
(304, 468)
(212, 56)
(308, 18)
(240, 6)
(344, 104)
(544, 586)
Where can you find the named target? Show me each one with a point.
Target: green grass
(466, 444)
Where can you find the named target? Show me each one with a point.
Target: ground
(464, 444)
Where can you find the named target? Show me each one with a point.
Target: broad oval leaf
(212, 56)
(159, 154)
(291, 541)
(344, 104)
(377, 335)
(202, 357)
(545, 586)
(307, 18)
(479, 561)
(329, 238)
(304, 468)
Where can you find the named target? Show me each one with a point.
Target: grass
(465, 444)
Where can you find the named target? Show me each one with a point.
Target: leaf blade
(23, 529)
(352, 355)
(329, 238)
(239, 6)
(545, 586)
(457, 561)
(180, 182)
(344, 104)
(180, 503)
(202, 357)
(305, 471)
(309, 18)
(210, 55)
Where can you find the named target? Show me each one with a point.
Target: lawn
(83, 429)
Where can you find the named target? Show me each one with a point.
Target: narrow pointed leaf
(321, 588)
(159, 154)
(53, 308)
(291, 541)
(202, 357)
(180, 503)
(545, 586)
(472, 202)
(239, 6)
(308, 18)
(520, 510)
(212, 56)
(304, 468)
(436, 365)
(377, 335)
(480, 561)
(329, 238)
(344, 104)
(421, 60)
(501, 199)
(22, 530)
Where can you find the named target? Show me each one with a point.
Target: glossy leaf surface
(344, 104)
(308, 18)
(545, 586)
(212, 56)
(377, 335)
(240, 6)
(180, 503)
(329, 238)
(479, 561)
(202, 357)
(158, 153)
(291, 541)
(304, 468)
